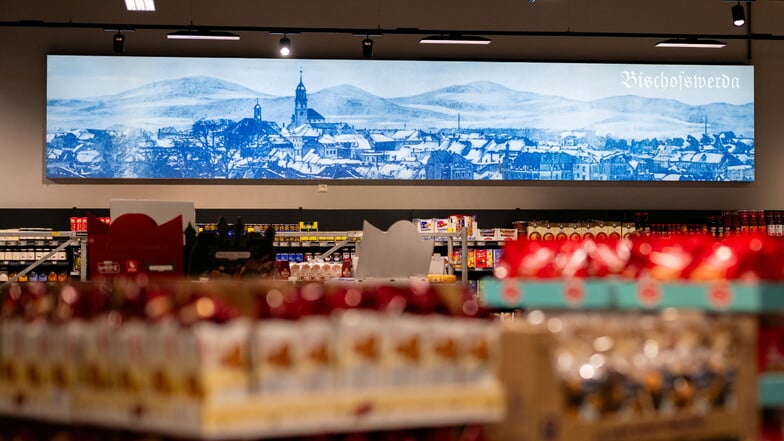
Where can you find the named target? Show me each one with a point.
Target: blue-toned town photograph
(283, 119)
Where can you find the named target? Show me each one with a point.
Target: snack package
(404, 347)
(359, 342)
(276, 357)
(529, 258)
(734, 257)
(11, 328)
(161, 343)
(630, 365)
(478, 354)
(212, 351)
(665, 258)
(572, 259)
(442, 354)
(607, 257)
(317, 353)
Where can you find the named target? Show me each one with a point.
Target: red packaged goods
(770, 261)
(567, 258)
(572, 259)
(528, 258)
(734, 257)
(770, 349)
(607, 257)
(135, 244)
(664, 258)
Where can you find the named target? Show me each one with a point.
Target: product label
(108, 267)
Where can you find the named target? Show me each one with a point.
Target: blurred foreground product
(628, 376)
(239, 359)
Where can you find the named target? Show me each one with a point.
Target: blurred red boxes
(135, 244)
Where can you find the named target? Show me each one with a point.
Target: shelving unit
(41, 247)
(272, 417)
(332, 241)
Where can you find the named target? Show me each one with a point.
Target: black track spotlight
(285, 46)
(367, 47)
(118, 43)
(738, 15)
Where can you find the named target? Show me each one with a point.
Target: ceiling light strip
(692, 43)
(202, 35)
(455, 39)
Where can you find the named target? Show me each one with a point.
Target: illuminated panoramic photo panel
(177, 118)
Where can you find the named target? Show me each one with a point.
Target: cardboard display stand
(536, 408)
(135, 244)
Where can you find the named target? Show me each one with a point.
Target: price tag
(294, 244)
(649, 293)
(574, 292)
(481, 243)
(511, 292)
(720, 295)
(323, 244)
(306, 244)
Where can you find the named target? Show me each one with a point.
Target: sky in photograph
(91, 76)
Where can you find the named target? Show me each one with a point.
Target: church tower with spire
(257, 111)
(300, 115)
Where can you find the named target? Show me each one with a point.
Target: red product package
(770, 349)
(572, 258)
(529, 258)
(771, 259)
(607, 257)
(665, 258)
(735, 257)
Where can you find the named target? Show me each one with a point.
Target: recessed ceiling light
(140, 5)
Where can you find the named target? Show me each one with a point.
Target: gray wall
(23, 75)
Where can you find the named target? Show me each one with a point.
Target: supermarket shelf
(60, 240)
(30, 243)
(771, 389)
(603, 294)
(330, 238)
(23, 263)
(275, 416)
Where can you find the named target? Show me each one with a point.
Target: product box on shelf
(587, 393)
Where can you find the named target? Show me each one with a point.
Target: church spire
(257, 111)
(300, 115)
